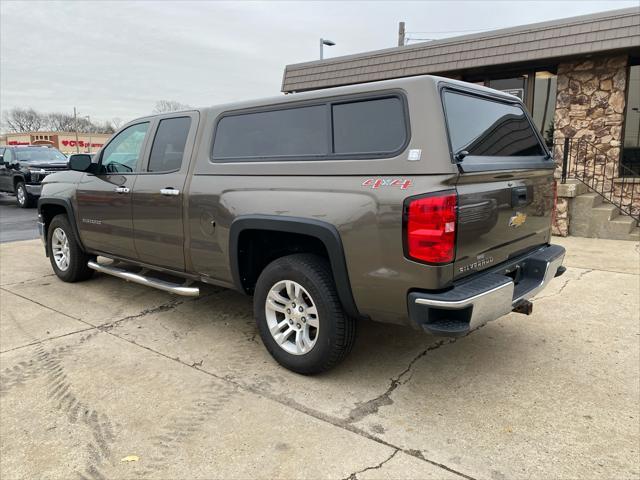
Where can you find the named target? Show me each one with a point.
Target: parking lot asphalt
(110, 380)
(16, 223)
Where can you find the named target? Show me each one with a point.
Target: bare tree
(165, 106)
(23, 120)
(28, 120)
(60, 122)
(116, 123)
(108, 127)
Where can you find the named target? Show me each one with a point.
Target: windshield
(39, 154)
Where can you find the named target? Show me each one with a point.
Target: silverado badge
(518, 219)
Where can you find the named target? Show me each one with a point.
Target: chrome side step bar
(176, 288)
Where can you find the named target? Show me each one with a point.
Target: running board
(176, 288)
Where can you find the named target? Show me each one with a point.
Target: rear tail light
(430, 228)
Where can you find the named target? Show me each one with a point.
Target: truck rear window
(485, 127)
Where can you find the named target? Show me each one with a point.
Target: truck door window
(168, 145)
(123, 152)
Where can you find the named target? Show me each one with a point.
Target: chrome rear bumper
(486, 296)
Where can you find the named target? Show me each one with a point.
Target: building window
(631, 140)
(513, 86)
(544, 104)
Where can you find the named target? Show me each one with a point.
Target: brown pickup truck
(422, 201)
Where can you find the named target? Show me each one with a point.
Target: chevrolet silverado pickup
(421, 201)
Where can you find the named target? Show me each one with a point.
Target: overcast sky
(116, 59)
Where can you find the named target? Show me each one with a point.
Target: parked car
(421, 201)
(22, 169)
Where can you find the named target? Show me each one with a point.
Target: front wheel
(68, 260)
(23, 199)
(299, 316)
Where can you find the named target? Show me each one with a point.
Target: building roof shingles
(587, 34)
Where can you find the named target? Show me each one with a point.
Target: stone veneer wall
(590, 104)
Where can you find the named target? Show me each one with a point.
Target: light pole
(324, 42)
(89, 120)
(75, 121)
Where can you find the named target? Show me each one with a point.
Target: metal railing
(589, 164)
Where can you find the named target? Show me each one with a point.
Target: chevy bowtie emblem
(518, 219)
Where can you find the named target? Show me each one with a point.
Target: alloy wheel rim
(292, 317)
(60, 248)
(21, 195)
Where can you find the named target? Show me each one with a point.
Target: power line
(460, 31)
(414, 39)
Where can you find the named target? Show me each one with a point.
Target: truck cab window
(8, 156)
(123, 152)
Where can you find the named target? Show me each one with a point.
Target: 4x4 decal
(387, 182)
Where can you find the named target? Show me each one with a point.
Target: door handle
(122, 190)
(519, 196)
(169, 191)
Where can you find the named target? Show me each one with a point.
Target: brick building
(579, 77)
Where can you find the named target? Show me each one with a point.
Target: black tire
(77, 269)
(23, 199)
(337, 331)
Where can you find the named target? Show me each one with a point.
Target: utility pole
(75, 121)
(90, 130)
(401, 34)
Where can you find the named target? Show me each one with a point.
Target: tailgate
(499, 218)
(506, 185)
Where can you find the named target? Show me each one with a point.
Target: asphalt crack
(354, 475)
(372, 406)
(23, 282)
(165, 307)
(569, 280)
(48, 339)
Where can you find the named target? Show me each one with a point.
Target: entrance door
(104, 199)
(158, 195)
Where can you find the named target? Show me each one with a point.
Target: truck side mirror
(1, 159)
(80, 162)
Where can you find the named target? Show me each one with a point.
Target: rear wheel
(23, 199)
(68, 260)
(299, 315)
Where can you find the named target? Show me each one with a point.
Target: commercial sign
(80, 143)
